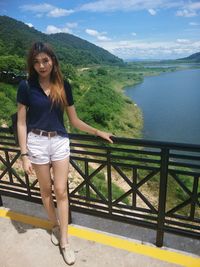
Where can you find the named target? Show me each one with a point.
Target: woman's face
(43, 65)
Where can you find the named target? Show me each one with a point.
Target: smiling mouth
(42, 71)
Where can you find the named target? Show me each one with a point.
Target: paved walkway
(25, 241)
(28, 244)
(25, 245)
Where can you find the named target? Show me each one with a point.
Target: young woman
(44, 141)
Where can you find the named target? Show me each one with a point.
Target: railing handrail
(128, 140)
(141, 142)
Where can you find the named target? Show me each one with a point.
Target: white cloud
(189, 10)
(40, 8)
(92, 32)
(46, 9)
(101, 36)
(129, 5)
(127, 49)
(152, 11)
(194, 5)
(186, 13)
(29, 24)
(113, 5)
(59, 12)
(183, 41)
(53, 29)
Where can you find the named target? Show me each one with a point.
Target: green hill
(192, 58)
(16, 37)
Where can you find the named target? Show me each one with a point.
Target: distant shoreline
(164, 70)
(151, 72)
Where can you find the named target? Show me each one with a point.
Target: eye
(46, 60)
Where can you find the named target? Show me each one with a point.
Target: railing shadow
(22, 224)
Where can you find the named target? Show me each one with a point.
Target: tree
(68, 71)
(102, 71)
(12, 63)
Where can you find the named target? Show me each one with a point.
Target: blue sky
(148, 29)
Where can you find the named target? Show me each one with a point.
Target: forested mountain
(193, 58)
(16, 37)
(94, 73)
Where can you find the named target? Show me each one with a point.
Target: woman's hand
(27, 166)
(104, 135)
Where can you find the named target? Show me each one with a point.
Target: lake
(170, 104)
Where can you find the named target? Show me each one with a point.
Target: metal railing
(147, 183)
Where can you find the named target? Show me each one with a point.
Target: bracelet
(96, 132)
(24, 154)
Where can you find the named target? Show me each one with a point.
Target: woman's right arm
(22, 136)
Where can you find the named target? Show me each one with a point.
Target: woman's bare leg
(44, 178)
(60, 171)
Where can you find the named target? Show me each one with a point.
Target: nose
(41, 65)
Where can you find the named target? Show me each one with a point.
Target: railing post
(162, 196)
(109, 181)
(1, 201)
(27, 185)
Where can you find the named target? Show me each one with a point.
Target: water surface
(170, 104)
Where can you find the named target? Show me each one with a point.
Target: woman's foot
(68, 254)
(55, 235)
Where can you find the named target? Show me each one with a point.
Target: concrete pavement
(25, 241)
(26, 245)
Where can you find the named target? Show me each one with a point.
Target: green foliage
(102, 71)
(7, 102)
(188, 182)
(9, 91)
(100, 105)
(12, 63)
(68, 71)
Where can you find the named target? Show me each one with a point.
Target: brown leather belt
(44, 133)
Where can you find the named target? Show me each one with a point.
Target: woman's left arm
(79, 124)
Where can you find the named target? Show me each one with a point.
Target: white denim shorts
(43, 150)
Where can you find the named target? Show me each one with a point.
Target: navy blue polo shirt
(41, 113)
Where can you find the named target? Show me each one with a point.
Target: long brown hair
(57, 93)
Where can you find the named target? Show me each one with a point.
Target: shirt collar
(34, 82)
